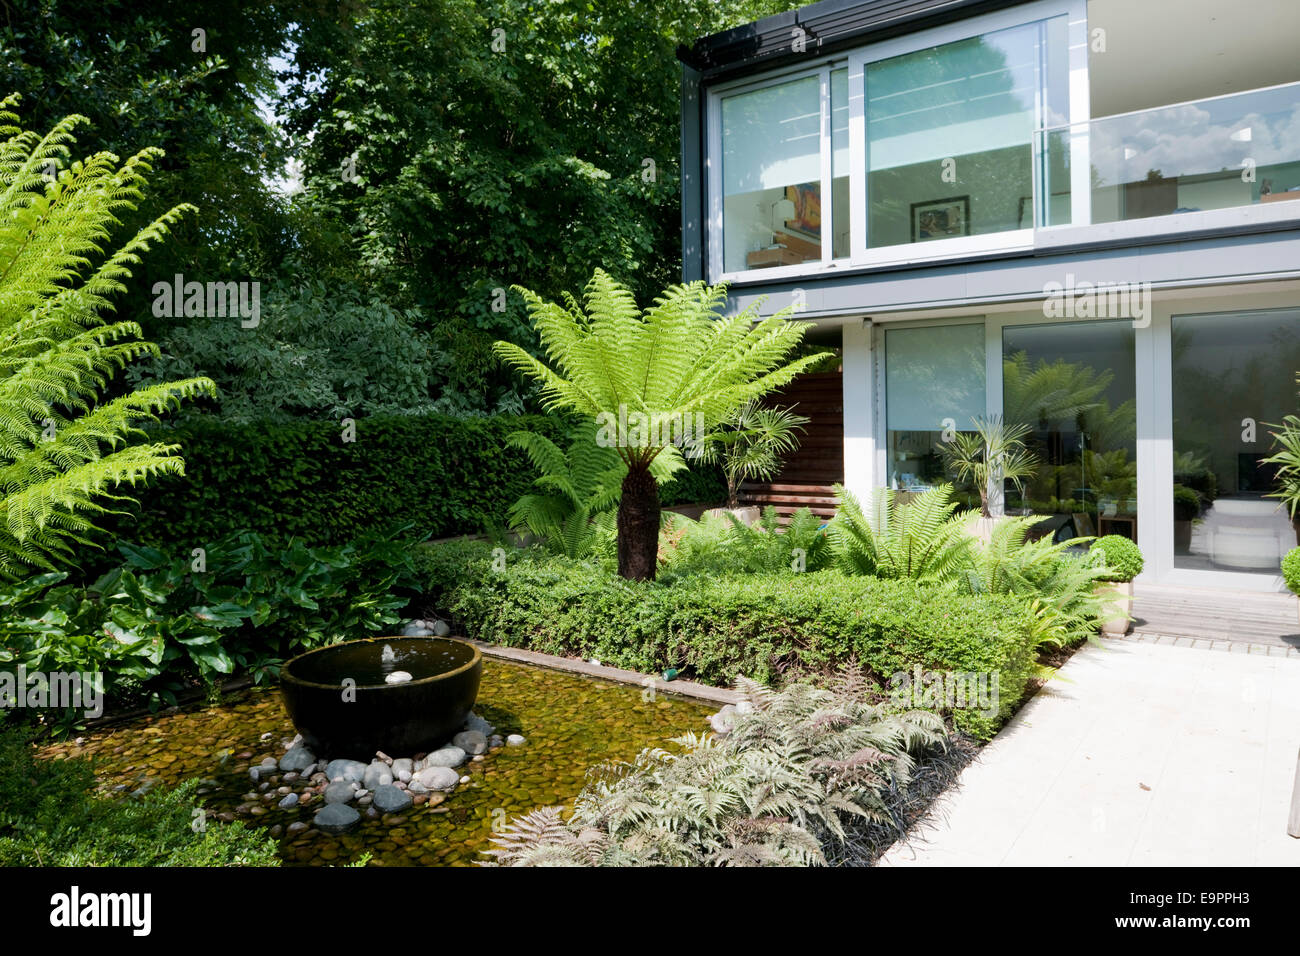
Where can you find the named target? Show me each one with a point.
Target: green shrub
(1120, 556)
(723, 544)
(715, 628)
(1187, 503)
(1291, 570)
(160, 624)
(445, 476)
(50, 817)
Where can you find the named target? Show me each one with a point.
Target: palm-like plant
(64, 449)
(1287, 458)
(991, 454)
(577, 488)
(749, 444)
(681, 362)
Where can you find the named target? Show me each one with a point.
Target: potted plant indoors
(1123, 562)
(989, 457)
(1291, 570)
(1187, 506)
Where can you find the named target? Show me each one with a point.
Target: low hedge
(445, 476)
(715, 628)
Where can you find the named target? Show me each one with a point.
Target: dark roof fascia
(830, 26)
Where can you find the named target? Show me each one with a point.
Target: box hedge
(715, 628)
(445, 476)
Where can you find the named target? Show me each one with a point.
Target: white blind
(932, 374)
(772, 137)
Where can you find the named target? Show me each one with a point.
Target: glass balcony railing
(1225, 152)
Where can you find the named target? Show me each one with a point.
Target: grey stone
(475, 722)
(516, 740)
(296, 827)
(445, 757)
(351, 770)
(297, 760)
(440, 628)
(439, 778)
(724, 720)
(417, 629)
(471, 741)
(337, 818)
(403, 776)
(288, 802)
(391, 800)
(403, 763)
(376, 775)
(307, 771)
(416, 787)
(340, 791)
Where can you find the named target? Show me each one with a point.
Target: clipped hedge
(445, 476)
(715, 628)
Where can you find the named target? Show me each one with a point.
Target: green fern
(65, 451)
(681, 360)
(921, 539)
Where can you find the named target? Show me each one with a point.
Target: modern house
(1082, 216)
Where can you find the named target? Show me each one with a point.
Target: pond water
(571, 724)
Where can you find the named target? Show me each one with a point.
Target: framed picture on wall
(807, 221)
(941, 218)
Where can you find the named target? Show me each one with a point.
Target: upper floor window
(902, 143)
(950, 130)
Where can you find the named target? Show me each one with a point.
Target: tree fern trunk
(638, 526)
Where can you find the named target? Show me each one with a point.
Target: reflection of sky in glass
(1198, 138)
(772, 137)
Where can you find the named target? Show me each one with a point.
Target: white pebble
(397, 677)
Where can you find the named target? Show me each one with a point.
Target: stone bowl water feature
(400, 695)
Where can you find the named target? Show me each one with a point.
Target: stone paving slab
(1141, 753)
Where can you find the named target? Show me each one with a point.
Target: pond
(571, 724)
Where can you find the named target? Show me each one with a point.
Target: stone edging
(1209, 644)
(571, 665)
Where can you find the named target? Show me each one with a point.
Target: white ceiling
(1168, 51)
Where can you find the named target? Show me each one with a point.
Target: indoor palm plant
(988, 457)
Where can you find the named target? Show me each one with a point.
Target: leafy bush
(723, 544)
(285, 480)
(159, 623)
(49, 817)
(1187, 503)
(1291, 570)
(797, 772)
(716, 627)
(1121, 558)
(922, 539)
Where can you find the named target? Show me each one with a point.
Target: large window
(934, 382)
(771, 176)
(882, 149)
(1232, 373)
(950, 134)
(1072, 385)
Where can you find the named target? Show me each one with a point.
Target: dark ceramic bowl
(341, 720)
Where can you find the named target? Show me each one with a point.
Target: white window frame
(855, 61)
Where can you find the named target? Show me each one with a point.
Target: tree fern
(680, 359)
(66, 452)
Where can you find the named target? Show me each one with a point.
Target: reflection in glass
(771, 176)
(949, 133)
(1229, 371)
(1220, 153)
(1073, 385)
(934, 380)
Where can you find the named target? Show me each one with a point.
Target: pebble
(297, 827)
(297, 759)
(445, 757)
(439, 778)
(388, 799)
(516, 740)
(471, 741)
(289, 802)
(337, 818)
(340, 791)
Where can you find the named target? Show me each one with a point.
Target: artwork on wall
(941, 218)
(807, 221)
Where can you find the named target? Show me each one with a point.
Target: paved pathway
(1140, 753)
